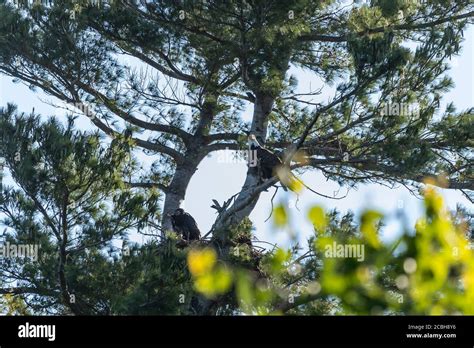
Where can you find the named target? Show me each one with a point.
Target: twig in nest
(262, 241)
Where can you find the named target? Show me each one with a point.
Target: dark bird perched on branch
(268, 162)
(185, 225)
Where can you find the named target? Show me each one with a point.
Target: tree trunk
(262, 109)
(177, 191)
(185, 170)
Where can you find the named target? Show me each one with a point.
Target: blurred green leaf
(368, 227)
(318, 217)
(280, 217)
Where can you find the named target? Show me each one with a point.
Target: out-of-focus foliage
(349, 270)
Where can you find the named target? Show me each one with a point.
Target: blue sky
(219, 181)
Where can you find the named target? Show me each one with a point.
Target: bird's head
(179, 211)
(252, 141)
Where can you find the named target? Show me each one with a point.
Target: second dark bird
(185, 225)
(268, 162)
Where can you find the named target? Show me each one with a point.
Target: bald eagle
(268, 162)
(185, 225)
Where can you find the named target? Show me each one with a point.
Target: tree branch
(425, 25)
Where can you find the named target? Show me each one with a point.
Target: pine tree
(70, 201)
(206, 60)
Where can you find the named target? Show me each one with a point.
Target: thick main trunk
(262, 108)
(176, 192)
(185, 170)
